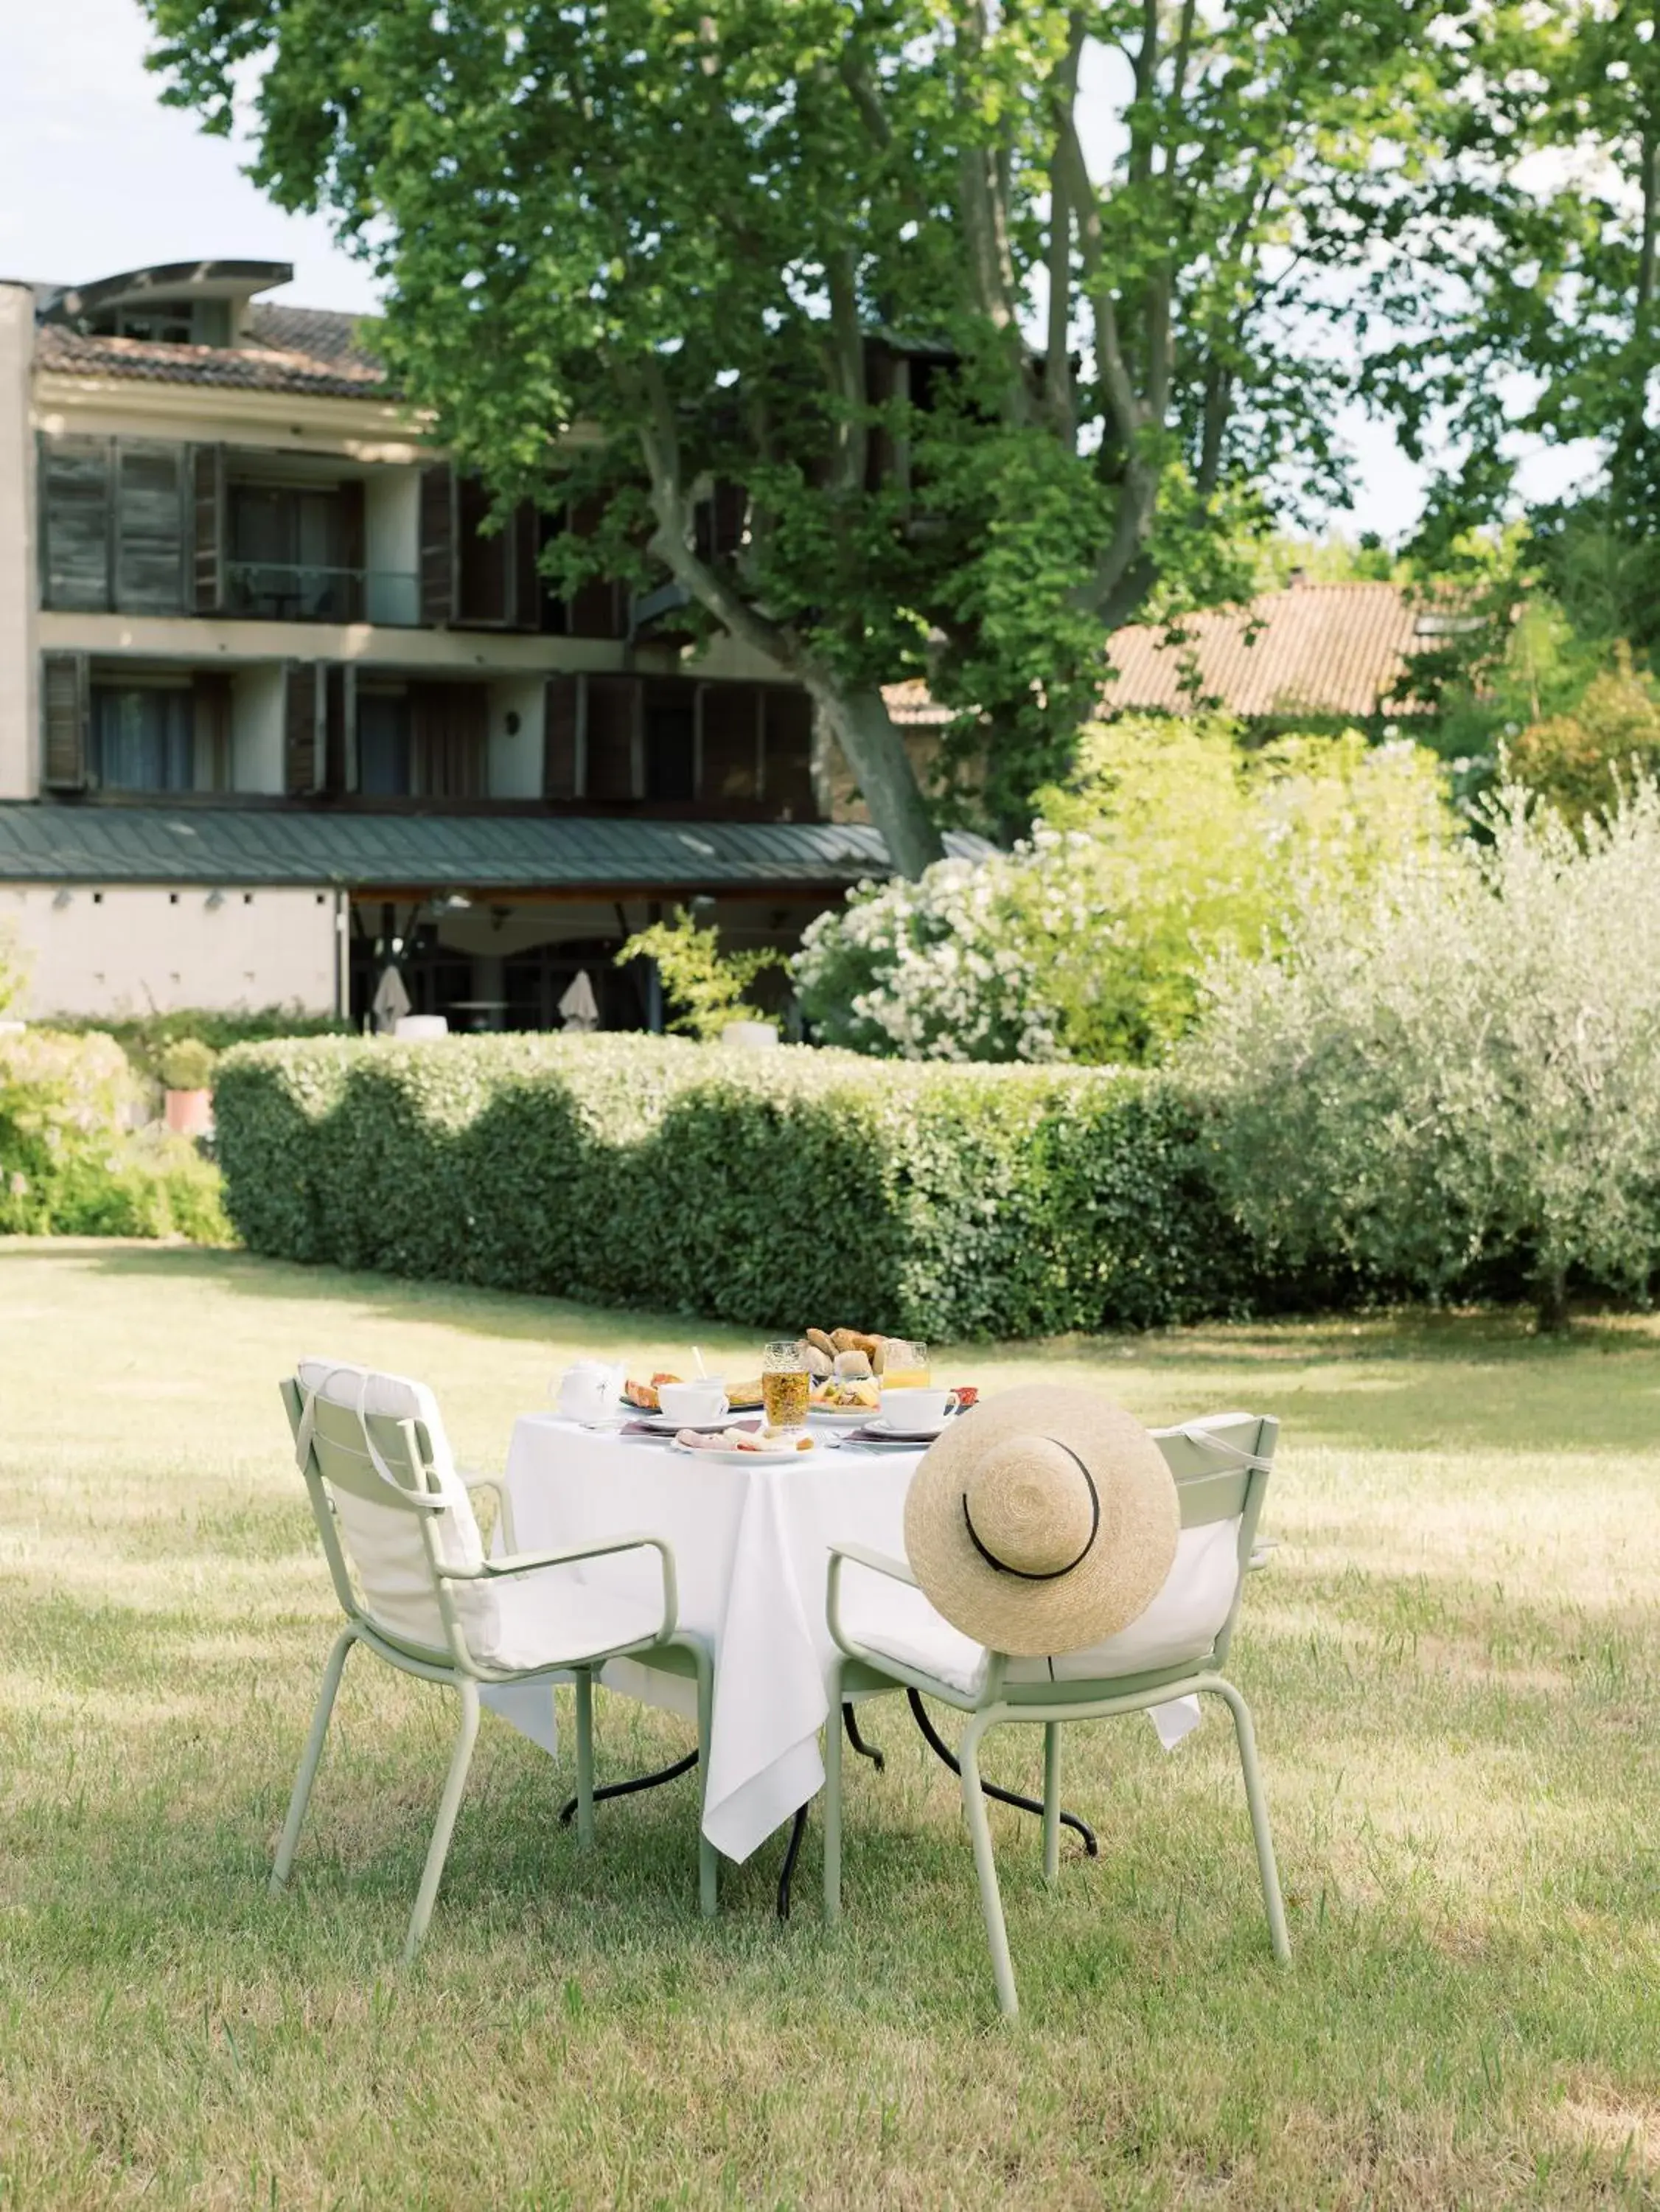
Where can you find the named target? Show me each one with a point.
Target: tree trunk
(875, 751)
(1550, 1298)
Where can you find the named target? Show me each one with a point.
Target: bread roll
(853, 1367)
(820, 1342)
(820, 1363)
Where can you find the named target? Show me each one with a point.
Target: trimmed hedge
(766, 1188)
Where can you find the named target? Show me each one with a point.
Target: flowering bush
(946, 968)
(1455, 1079)
(68, 1165)
(1171, 845)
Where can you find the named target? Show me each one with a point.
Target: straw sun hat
(1042, 1521)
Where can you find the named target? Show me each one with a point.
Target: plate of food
(844, 1401)
(744, 1447)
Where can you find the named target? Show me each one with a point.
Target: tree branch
(847, 372)
(1059, 403)
(671, 541)
(1111, 366)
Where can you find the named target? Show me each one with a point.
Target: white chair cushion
(385, 1543)
(549, 1617)
(892, 1621)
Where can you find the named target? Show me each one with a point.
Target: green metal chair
(1175, 1650)
(409, 1569)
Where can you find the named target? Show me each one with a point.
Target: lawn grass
(1453, 1661)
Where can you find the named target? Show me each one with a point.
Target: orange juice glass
(906, 1366)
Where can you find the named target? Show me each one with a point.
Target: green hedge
(767, 1189)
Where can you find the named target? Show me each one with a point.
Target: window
(383, 745)
(143, 737)
(670, 743)
(296, 554)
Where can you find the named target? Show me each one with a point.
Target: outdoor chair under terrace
(416, 1585)
(895, 1640)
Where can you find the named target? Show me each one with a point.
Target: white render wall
(257, 694)
(126, 950)
(19, 751)
(515, 757)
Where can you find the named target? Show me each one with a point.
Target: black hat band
(1054, 1573)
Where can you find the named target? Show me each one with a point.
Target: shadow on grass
(1407, 1380)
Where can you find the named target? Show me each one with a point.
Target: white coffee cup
(918, 1411)
(587, 1391)
(693, 1404)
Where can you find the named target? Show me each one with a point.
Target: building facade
(275, 709)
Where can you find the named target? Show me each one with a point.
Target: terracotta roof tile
(298, 349)
(1323, 649)
(912, 705)
(1318, 649)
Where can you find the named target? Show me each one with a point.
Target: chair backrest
(1221, 1464)
(391, 1508)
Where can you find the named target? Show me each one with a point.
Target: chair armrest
(475, 1478)
(878, 1563)
(522, 1563)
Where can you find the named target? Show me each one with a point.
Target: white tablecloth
(751, 1549)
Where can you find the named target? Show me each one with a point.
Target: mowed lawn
(1454, 1663)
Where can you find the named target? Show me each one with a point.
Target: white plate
(666, 1421)
(883, 1431)
(841, 1417)
(747, 1458)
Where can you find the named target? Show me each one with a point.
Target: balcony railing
(301, 591)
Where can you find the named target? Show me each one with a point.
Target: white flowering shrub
(1457, 1080)
(1172, 844)
(946, 968)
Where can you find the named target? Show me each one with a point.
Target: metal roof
(40, 842)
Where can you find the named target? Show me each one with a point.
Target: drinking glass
(785, 1384)
(906, 1365)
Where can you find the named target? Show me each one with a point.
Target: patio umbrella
(579, 1006)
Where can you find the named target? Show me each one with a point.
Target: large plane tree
(935, 338)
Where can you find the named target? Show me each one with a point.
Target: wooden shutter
(720, 521)
(525, 535)
(305, 729)
(339, 746)
(450, 731)
(486, 565)
(559, 702)
(65, 714)
(788, 757)
(730, 767)
(598, 608)
(207, 470)
(349, 500)
(75, 524)
(210, 695)
(150, 528)
(613, 733)
(437, 543)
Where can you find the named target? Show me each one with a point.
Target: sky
(96, 176)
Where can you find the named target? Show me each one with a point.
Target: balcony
(294, 590)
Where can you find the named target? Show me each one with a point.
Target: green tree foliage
(1577, 759)
(1170, 844)
(703, 984)
(1456, 1075)
(1537, 317)
(874, 359)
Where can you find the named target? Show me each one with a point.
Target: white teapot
(588, 1391)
